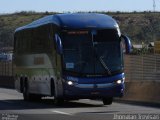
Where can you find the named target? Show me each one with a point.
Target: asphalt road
(12, 107)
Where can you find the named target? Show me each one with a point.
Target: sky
(11, 6)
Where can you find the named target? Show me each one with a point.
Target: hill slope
(140, 27)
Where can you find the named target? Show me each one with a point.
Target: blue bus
(70, 57)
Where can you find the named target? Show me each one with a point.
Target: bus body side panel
(38, 70)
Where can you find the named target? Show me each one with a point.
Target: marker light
(123, 79)
(119, 81)
(70, 83)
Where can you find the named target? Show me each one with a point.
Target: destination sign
(77, 32)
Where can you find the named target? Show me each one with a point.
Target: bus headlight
(119, 81)
(70, 83)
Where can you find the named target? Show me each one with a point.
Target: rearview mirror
(58, 44)
(126, 44)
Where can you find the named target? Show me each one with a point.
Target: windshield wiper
(104, 65)
(102, 62)
(101, 57)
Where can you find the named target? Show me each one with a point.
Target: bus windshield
(88, 54)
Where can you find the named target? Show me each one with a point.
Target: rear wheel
(107, 101)
(26, 95)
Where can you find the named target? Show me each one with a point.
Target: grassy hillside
(140, 27)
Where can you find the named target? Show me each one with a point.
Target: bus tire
(21, 84)
(52, 87)
(57, 100)
(26, 95)
(107, 101)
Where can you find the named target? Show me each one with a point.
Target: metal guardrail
(142, 67)
(6, 74)
(7, 81)
(6, 68)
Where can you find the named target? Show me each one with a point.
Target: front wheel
(26, 95)
(107, 101)
(58, 101)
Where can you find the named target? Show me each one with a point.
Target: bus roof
(75, 21)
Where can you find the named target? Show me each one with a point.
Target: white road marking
(60, 112)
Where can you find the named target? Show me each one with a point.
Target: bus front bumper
(95, 91)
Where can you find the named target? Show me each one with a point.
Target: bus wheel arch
(21, 83)
(28, 96)
(58, 98)
(52, 87)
